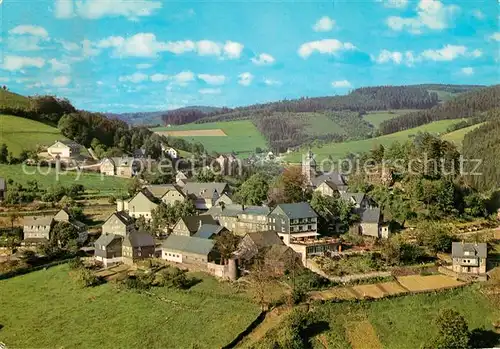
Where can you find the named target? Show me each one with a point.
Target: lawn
(403, 322)
(457, 137)
(25, 134)
(47, 177)
(339, 150)
(377, 117)
(46, 309)
(242, 136)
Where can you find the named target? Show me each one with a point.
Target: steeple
(308, 166)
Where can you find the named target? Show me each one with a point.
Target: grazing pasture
(47, 309)
(377, 117)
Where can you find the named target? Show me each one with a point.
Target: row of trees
(464, 106)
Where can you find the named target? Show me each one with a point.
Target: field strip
(362, 335)
(216, 132)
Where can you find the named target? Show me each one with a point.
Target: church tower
(309, 167)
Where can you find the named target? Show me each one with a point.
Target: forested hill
(465, 105)
(174, 117)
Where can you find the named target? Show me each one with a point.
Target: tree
(290, 187)
(4, 154)
(135, 186)
(13, 218)
(254, 190)
(226, 243)
(434, 236)
(453, 331)
(208, 176)
(165, 216)
(63, 235)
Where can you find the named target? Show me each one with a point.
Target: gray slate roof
(189, 244)
(358, 197)
(369, 215)
(206, 231)
(158, 190)
(265, 238)
(193, 222)
(124, 217)
(204, 190)
(106, 239)
(139, 239)
(234, 210)
(298, 210)
(334, 177)
(458, 249)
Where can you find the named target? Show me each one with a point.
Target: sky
(149, 55)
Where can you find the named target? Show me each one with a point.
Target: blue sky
(146, 55)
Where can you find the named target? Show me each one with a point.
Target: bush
(86, 278)
(76, 263)
(175, 278)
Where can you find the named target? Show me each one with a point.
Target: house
(112, 248)
(241, 219)
(137, 245)
(120, 166)
(204, 195)
(64, 216)
(189, 250)
(370, 223)
(224, 199)
(37, 229)
(327, 188)
(172, 153)
(292, 222)
(64, 149)
(3, 189)
(358, 200)
(141, 205)
(253, 243)
(469, 258)
(189, 225)
(209, 231)
(119, 223)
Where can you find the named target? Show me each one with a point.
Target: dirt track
(216, 132)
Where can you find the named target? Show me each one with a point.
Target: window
(309, 227)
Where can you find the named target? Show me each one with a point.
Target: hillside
(338, 151)
(161, 117)
(466, 105)
(239, 136)
(13, 100)
(24, 134)
(457, 137)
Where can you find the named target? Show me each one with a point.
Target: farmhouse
(64, 149)
(209, 231)
(253, 243)
(120, 166)
(141, 205)
(119, 223)
(37, 229)
(189, 225)
(469, 258)
(189, 250)
(241, 219)
(204, 195)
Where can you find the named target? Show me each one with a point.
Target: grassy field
(377, 117)
(13, 100)
(339, 150)
(91, 181)
(242, 136)
(46, 309)
(25, 134)
(457, 136)
(400, 323)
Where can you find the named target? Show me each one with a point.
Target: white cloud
(147, 45)
(95, 9)
(495, 36)
(212, 79)
(447, 53)
(210, 91)
(143, 66)
(326, 46)
(394, 3)
(64, 9)
(431, 14)
(271, 82)
(208, 48)
(183, 78)
(88, 50)
(324, 24)
(245, 79)
(59, 66)
(476, 53)
(100, 83)
(61, 81)
(263, 59)
(467, 71)
(341, 84)
(133, 78)
(29, 30)
(478, 14)
(232, 50)
(386, 56)
(24, 43)
(13, 63)
(68, 45)
(159, 77)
